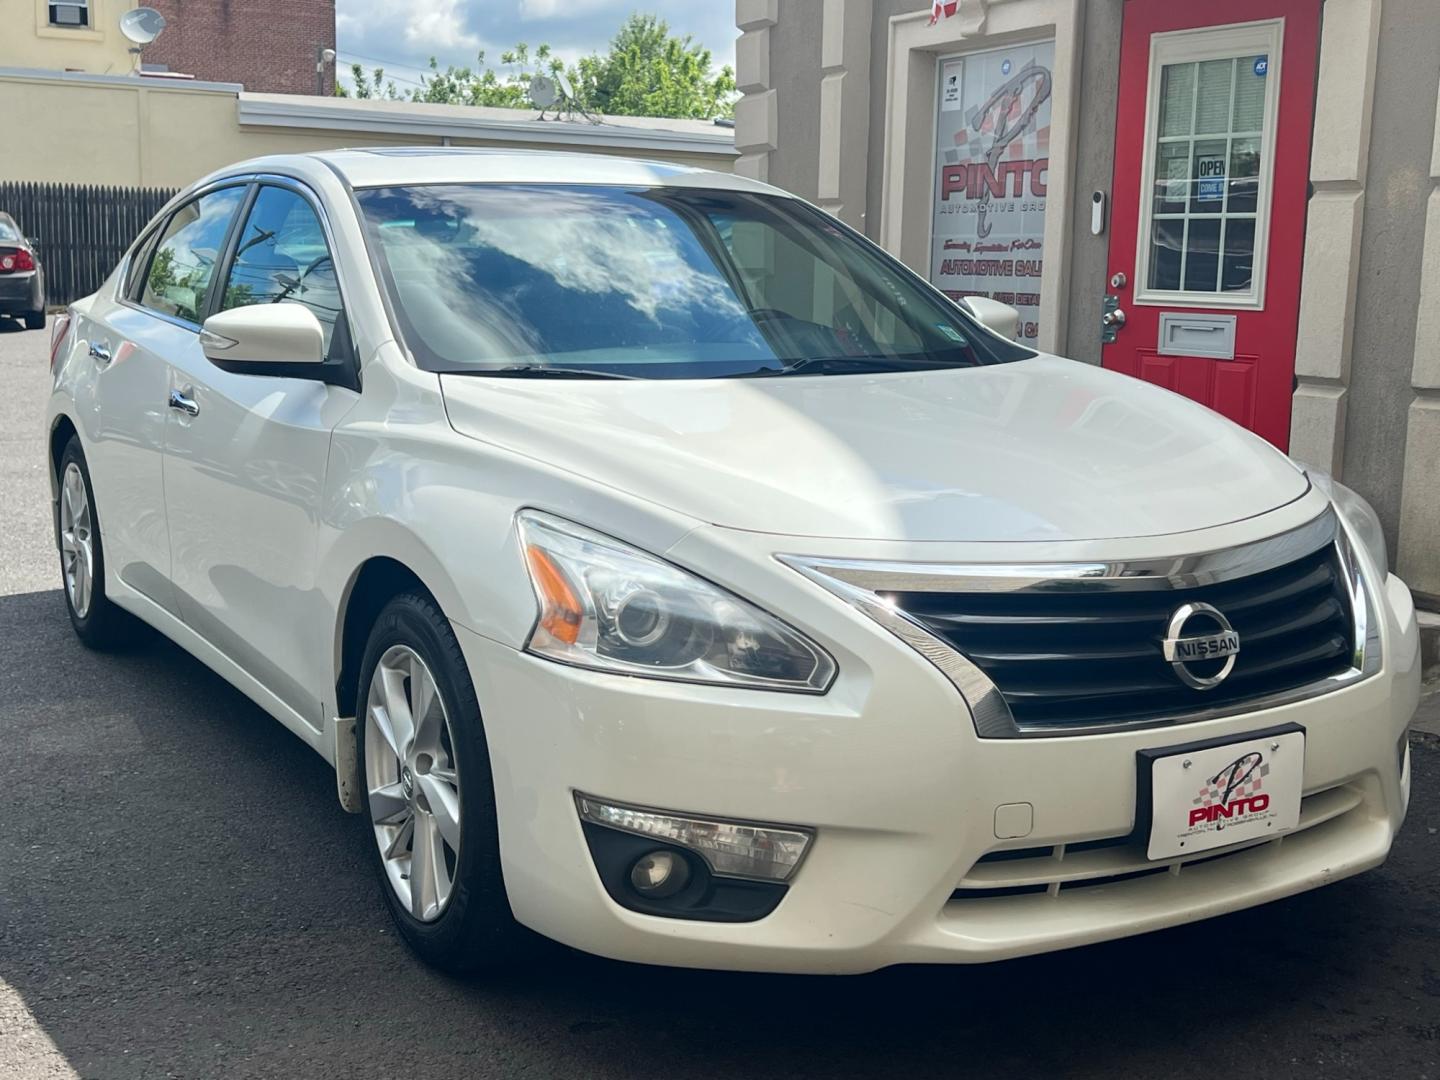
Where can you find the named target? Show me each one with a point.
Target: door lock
(1112, 318)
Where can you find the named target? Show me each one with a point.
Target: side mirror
(993, 315)
(33, 241)
(264, 339)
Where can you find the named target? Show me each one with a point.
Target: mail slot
(1211, 336)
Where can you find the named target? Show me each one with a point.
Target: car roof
(407, 165)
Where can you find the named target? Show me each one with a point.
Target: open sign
(1210, 174)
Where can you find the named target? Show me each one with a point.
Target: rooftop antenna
(544, 93)
(140, 27)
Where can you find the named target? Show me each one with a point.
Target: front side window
(182, 269)
(281, 256)
(659, 283)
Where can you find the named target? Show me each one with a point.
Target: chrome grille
(1084, 656)
(1074, 648)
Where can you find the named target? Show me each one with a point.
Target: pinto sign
(1227, 794)
(992, 160)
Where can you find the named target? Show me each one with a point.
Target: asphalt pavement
(181, 896)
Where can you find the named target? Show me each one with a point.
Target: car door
(127, 341)
(245, 459)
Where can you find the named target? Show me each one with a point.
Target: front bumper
(888, 770)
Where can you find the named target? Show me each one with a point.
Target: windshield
(656, 283)
(8, 231)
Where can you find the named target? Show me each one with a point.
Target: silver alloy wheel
(413, 781)
(77, 540)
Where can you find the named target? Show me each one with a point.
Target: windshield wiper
(836, 365)
(542, 371)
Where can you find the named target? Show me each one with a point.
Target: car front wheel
(429, 797)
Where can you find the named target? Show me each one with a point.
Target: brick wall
(268, 45)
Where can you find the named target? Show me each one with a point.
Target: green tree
(648, 71)
(485, 86)
(651, 72)
(373, 85)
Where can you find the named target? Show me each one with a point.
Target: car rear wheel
(97, 621)
(35, 320)
(429, 797)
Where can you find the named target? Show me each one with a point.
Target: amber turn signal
(560, 613)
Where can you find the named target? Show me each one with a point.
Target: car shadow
(180, 894)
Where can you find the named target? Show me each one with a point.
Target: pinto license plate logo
(1204, 799)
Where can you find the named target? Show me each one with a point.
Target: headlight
(608, 606)
(1359, 515)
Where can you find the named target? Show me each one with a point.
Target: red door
(1212, 154)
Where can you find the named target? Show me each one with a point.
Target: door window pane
(1177, 97)
(1202, 254)
(1212, 103)
(1166, 244)
(1207, 192)
(1244, 179)
(183, 269)
(282, 257)
(1172, 177)
(1250, 93)
(1207, 161)
(1238, 265)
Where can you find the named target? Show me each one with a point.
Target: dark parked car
(22, 281)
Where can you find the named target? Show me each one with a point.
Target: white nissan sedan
(667, 570)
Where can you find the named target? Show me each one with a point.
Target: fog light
(730, 848)
(660, 874)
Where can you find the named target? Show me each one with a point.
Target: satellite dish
(542, 92)
(142, 26)
(565, 86)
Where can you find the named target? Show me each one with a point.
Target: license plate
(1210, 796)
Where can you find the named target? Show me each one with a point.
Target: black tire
(103, 626)
(476, 931)
(35, 320)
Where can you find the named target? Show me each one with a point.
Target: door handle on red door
(178, 400)
(1114, 318)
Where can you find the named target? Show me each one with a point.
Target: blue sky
(403, 34)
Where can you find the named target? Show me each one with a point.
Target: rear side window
(182, 270)
(282, 257)
(135, 273)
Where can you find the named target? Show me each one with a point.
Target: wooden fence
(82, 229)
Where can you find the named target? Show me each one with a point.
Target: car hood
(1043, 449)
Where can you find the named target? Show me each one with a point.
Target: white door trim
(1210, 43)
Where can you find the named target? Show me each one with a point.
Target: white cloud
(550, 9)
(403, 34)
(438, 24)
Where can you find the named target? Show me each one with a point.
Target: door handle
(99, 353)
(1114, 318)
(178, 400)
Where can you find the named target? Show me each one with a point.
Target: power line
(347, 55)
